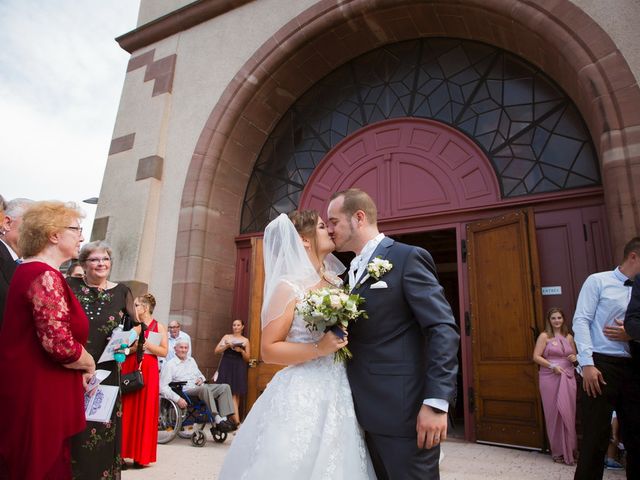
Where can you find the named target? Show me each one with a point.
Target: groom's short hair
(356, 199)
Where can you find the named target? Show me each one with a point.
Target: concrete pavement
(462, 461)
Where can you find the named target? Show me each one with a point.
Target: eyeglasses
(95, 261)
(172, 327)
(77, 229)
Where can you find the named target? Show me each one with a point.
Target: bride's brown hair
(306, 222)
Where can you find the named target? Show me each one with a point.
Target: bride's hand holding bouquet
(331, 309)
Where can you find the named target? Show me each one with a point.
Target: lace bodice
(299, 333)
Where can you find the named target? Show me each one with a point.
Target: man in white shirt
(174, 333)
(183, 368)
(607, 369)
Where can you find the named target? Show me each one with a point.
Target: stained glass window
(529, 129)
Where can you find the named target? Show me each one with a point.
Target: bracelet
(317, 349)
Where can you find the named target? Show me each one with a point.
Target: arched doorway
(427, 171)
(560, 40)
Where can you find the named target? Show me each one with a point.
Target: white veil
(288, 272)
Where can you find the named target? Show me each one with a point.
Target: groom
(404, 366)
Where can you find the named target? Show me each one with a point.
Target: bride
(303, 425)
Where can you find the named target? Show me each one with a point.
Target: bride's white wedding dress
(303, 426)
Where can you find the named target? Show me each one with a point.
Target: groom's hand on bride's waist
(431, 427)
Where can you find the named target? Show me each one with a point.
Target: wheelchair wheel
(198, 439)
(218, 436)
(186, 432)
(169, 421)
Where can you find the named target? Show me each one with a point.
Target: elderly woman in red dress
(43, 363)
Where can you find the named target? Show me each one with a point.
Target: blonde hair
(149, 300)
(43, 219)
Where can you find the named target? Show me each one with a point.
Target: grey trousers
(212, 393)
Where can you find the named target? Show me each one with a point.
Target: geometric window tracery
(529, 129)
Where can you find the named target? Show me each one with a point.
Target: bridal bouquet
(331, 308)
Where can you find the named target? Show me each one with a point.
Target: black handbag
(132, 382)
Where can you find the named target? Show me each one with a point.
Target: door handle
(253, 363)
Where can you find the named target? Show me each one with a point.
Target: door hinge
(471, 399)
(467, 324)
(463, 250)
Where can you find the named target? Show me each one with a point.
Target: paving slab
(462, 461)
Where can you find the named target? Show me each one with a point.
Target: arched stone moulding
(554, 35)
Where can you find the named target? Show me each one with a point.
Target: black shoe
(226, 426)
(139, 465)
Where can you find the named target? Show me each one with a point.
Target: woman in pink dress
(555, 352)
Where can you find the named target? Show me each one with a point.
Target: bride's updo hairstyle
(148, 300)
(306, 222)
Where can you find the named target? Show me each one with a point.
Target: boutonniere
(377, 267)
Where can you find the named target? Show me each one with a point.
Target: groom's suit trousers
(402, 459)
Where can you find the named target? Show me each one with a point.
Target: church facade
(503, 136)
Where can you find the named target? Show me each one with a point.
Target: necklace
(102, 287)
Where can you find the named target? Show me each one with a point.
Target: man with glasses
(175, 333)
(9, 253)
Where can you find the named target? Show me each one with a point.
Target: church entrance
(435, 188)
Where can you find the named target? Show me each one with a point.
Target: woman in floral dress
(95, 452)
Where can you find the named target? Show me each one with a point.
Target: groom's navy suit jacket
(7, 269)
(406, 351)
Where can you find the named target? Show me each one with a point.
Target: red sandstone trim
(122, 144)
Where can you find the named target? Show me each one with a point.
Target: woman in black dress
(235, 351)
(95, 453)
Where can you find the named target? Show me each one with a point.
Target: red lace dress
(140, 409)
(43, 402)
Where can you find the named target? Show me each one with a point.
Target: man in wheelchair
(183, 368)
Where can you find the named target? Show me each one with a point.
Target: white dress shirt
(358, 265)
(176, 370)
(603, 299)
(171, 350)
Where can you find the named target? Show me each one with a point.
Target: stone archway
(557, 37)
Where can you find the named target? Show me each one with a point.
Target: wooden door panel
(573, 244)
(503, 279)
(259, 372)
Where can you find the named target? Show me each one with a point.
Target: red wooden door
(573, 243)
(410, 167)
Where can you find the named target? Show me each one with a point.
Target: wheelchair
(172, 420)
